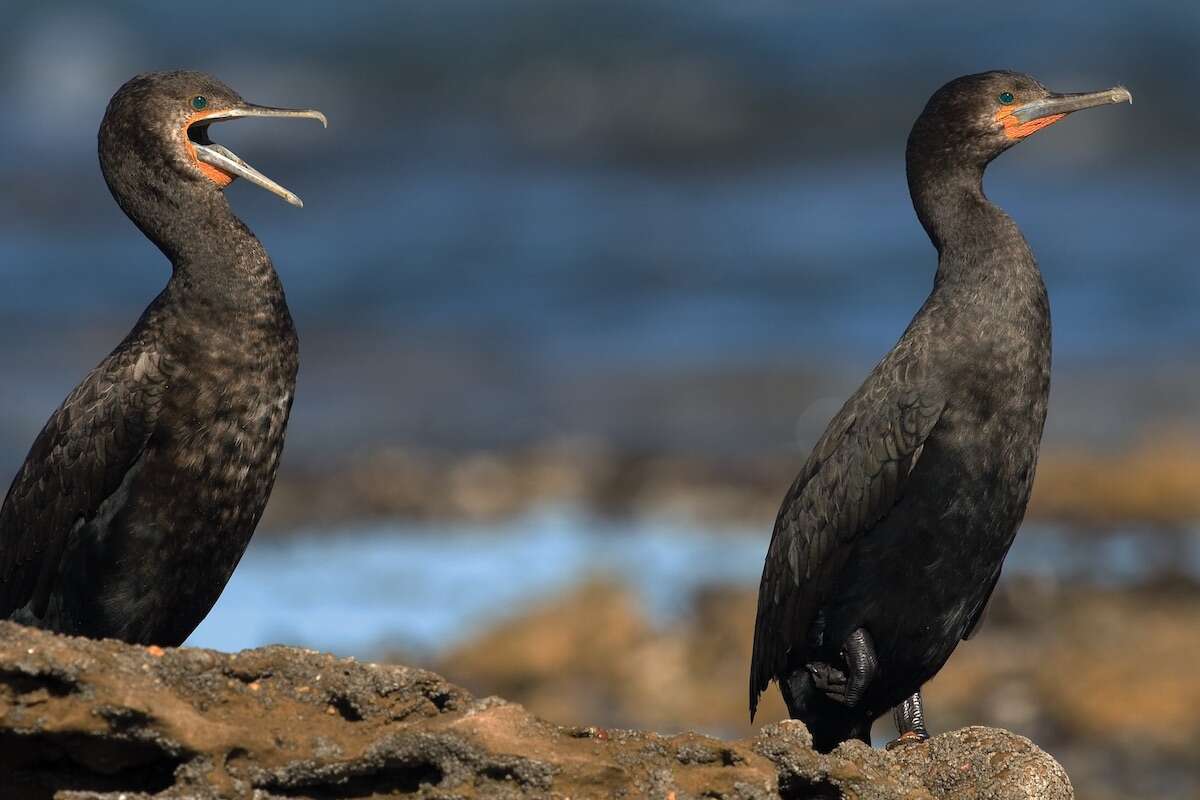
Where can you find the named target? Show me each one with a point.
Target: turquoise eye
(1005, 98)
(199, 102)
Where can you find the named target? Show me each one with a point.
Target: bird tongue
(231, 163)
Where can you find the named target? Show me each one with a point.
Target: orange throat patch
(1015, 129)
(217, 176)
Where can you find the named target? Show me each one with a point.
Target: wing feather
(853, 478)
(78, 460)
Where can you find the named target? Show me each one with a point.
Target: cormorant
(891, 539)
(141, 493)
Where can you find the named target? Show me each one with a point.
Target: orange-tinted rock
(101, 720)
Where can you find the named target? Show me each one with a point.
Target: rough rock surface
(82, 720)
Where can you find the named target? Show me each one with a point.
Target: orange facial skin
(219, 177)
(1015, 129)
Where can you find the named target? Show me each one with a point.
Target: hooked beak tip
(1059, 105)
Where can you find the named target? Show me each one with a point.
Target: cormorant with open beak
(142, 491)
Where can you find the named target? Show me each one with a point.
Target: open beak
(1023, 120)
(228, 163)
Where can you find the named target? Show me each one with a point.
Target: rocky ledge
(84, 720)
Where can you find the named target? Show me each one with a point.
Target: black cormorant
(891, 539)
(141, 493)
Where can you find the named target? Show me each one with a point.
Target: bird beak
(1021, 121)
(227, 163)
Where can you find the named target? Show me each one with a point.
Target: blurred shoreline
(1151, 483)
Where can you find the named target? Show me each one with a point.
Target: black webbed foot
(830, 680)
(848, 687)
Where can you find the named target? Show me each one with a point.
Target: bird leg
(910, 721)
(848, 687)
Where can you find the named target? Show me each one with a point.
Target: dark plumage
(891, 539)
(142, 491)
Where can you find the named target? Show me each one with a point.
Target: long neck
(214, 256)
(976, 241)
(987, 276)
(944, 194)
(217, 263)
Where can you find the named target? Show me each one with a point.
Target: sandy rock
(84, 720)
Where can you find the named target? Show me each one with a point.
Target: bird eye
(1005, 98)
(199, 102)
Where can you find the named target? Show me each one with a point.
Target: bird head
(155, 138)
(978, 117)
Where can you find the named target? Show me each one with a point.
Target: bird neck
(187, 218)
(216, 260)
(223, 265)
(947, 195)
(976, 241)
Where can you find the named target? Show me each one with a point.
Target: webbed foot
(830, 680)
(848, 687)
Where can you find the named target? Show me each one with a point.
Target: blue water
(471, 303)
(422, 587)
(610, 218)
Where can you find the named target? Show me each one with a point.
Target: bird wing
(79, 460)
(981, 612)
(852, 479)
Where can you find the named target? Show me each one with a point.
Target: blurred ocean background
(671, 237)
